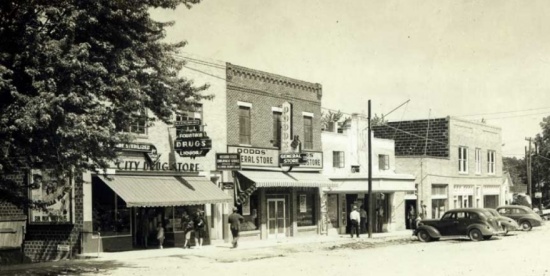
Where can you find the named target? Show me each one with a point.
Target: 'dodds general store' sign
(290, 155)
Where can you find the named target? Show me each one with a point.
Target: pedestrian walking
(363, 213)
(355, 219)
(235, 220)
(200, 228)
(160, 234)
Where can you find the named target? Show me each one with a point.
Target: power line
(502, 112)
(199, 61)
(212, 75)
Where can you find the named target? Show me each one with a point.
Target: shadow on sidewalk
(64, 267)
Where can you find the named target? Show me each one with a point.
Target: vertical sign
(286, 127)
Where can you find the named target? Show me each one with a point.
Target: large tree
(75, 72)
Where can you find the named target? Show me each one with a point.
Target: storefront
(279, 204)
(389, 196)
(128, 207)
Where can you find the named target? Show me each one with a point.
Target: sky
(471, 59)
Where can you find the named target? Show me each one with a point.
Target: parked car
(507, 224)
(476, 223)
(525, 216)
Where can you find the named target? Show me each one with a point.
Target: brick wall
(41, 241)
(264, 91)
(410, 137)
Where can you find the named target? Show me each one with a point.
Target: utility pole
(528, 161)
(371, 197)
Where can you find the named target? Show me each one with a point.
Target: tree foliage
(73, 73)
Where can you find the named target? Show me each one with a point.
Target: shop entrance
(145, 226)
(410, 214)
(276, 218)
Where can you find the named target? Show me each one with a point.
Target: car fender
(432, 231)
(482, 228)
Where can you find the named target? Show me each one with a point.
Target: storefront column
(321, 212)
(225, 221)
(293, 212)
(263, 214)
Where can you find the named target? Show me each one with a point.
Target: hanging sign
(290, 145)
(190, 140)
(228, 161)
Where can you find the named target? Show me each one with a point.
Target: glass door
(276, 218)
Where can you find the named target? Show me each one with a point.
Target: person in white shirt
(355, 219)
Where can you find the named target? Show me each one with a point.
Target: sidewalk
(245, 248)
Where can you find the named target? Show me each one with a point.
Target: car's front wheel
(526, 226)
(424, 236)
(475, 235)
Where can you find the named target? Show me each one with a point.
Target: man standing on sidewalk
(355, 220)
(235, 220)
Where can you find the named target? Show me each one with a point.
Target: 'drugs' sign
(191, 140)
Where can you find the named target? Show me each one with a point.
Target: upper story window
(276, 129)
(355, 169)
(463, 159)
(193, 113)
(244, 125)
(383, 162)
(138, 125)
(338, 160)
(308, 132)
(478, 160)
(491, 161)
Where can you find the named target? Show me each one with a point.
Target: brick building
(346, 163)
(457, 163)
(266, 115)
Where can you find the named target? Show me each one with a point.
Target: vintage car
(506, 223)
(476, 223)
(525, 216)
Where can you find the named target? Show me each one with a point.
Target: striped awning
(282, 179)
(158, 191)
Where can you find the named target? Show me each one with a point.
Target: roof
(153, 191)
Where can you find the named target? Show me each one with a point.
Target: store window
(244, 125)
(438, 207)
(249, 210)
(110, 215)
(306, 209)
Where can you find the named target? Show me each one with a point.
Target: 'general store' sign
(261, 157)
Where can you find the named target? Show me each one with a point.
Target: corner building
(457, 163)
(277, 201)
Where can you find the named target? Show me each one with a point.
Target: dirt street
(521, 253)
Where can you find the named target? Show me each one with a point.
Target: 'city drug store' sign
(135, 165)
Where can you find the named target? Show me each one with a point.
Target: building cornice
(263, 93)
(247, 73)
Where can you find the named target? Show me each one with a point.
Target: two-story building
(273, 123)
(346, 163)
(457, 163)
